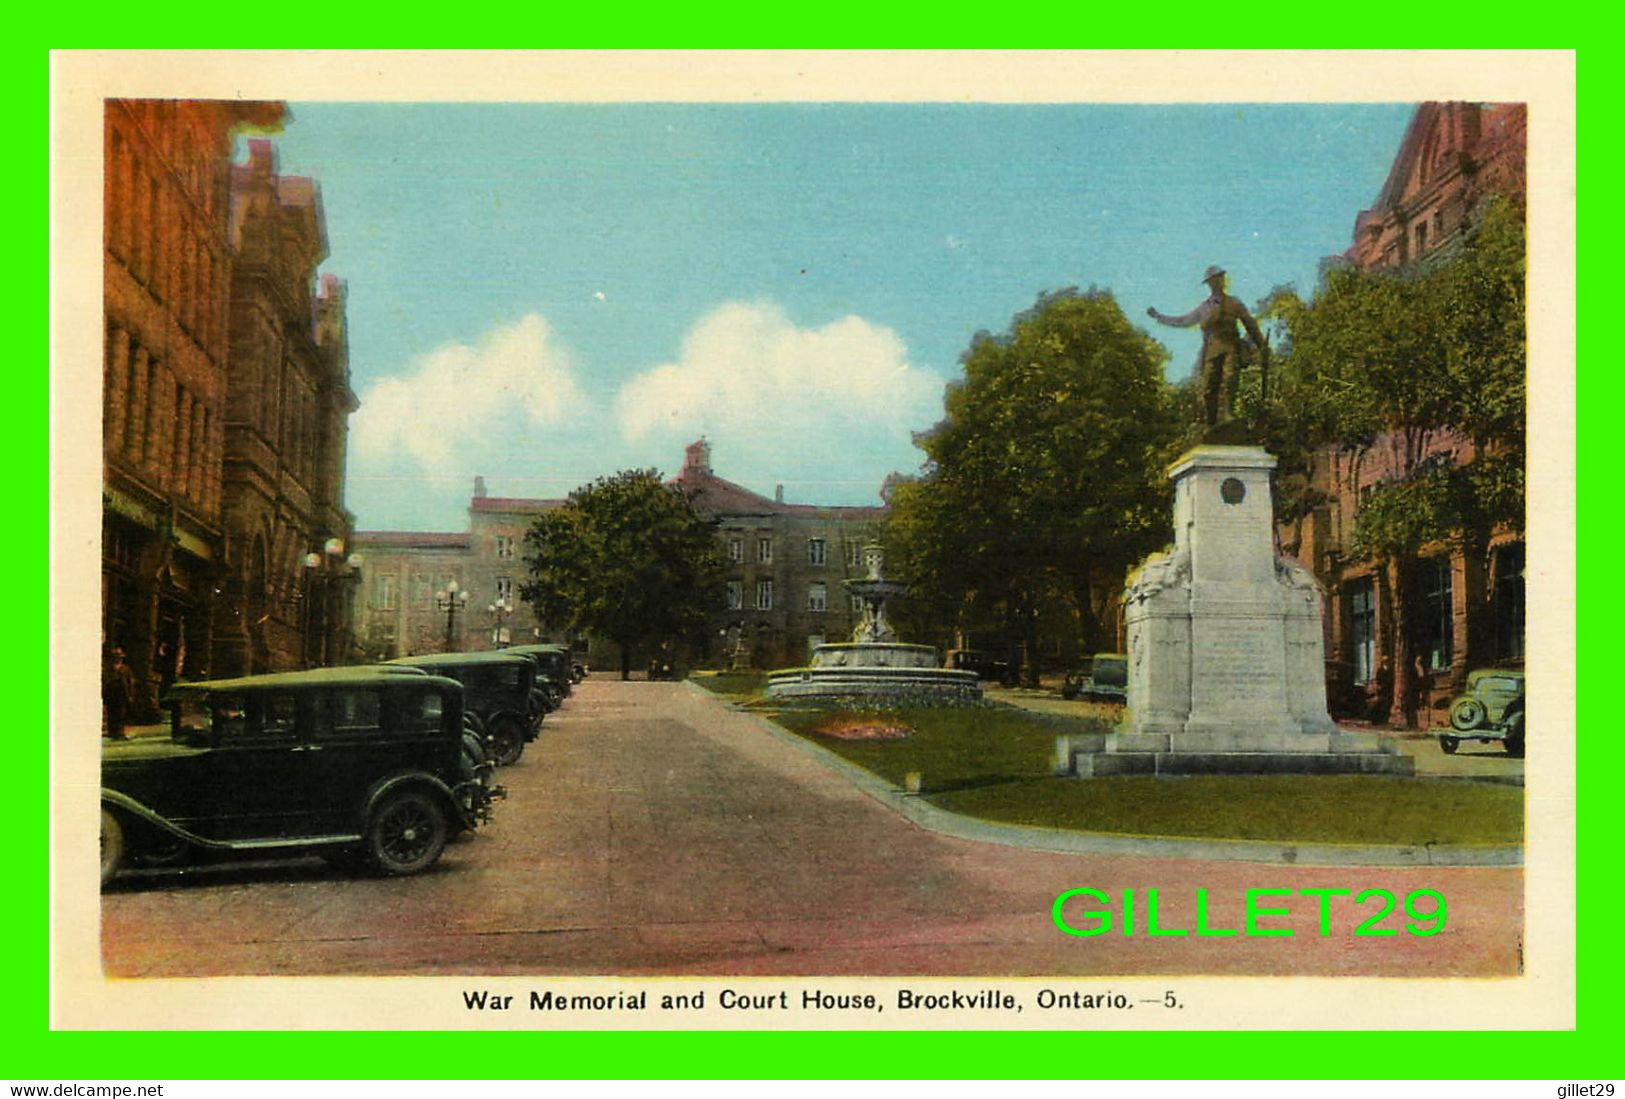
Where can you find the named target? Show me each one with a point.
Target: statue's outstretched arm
(1188, 320)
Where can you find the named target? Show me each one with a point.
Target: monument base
(1090, 756)
(1225, 646)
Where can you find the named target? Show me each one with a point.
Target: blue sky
(544, 293)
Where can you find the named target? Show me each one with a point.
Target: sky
(541, 294)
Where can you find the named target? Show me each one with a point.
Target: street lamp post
(322, 572)
(450, 600)
(498, 611)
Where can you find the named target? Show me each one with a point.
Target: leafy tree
(1413, 362)
(1044, 482)
(627, 558)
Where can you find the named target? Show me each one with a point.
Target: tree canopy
(627, 558)
(1044, 482)
(1407, 360)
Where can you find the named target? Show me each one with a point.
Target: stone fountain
(874, 668)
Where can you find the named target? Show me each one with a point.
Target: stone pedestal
(1225, 649)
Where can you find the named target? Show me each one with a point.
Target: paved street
(653, 830)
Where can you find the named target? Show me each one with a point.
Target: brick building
(166, 284)
(284, 601)
(1467, 610)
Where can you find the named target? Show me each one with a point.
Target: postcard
(1093, 595)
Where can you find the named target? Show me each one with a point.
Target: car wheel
(1069, 692)
(1514, 744)
(112, 846)
(507, 740)
(1467, 714)
(407, 833)
(1449, 744)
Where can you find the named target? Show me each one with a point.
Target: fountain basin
(875, 673)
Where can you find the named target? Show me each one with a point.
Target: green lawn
(1377, 809)
(995, 763)
(737, 686)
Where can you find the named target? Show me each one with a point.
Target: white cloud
(459, 405)
(834, 404)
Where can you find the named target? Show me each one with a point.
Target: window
(736, 550)
(417, 712)
(856, 603)
(815, 551)
(1363, 629)
(854, 555)
(764, 595)
(347, 713)
(281, 716)
(816, 594)
(764, 551)
(504, 545)
(1421, 238)
(505, 589)
(736, 595)
(1435, 630)
(422, 592)
(384, 592)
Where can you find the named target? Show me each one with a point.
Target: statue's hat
(1214, 271)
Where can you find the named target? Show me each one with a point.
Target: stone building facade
(400, 610)
(784, 593)
(167, 270)
(285, 602)
(1467, 607)
(786, 563)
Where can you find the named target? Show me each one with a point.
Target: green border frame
(34, 1052)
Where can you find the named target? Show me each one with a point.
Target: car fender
(130, 807)
(416, 780)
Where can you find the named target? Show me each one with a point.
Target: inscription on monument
(1236, 653)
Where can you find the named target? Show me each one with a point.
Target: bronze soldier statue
(1223, 352)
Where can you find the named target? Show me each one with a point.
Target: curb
(1065, 841)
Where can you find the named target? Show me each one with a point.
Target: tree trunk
(1404, 702)
(626, 661)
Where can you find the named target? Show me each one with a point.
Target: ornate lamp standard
(450, 600)
(499, 611)
(322, 572)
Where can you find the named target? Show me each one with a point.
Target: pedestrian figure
(1223, 353)
(118, 688)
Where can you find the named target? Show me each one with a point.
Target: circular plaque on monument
(1232, 491)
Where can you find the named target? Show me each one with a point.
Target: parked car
(497, 690)
(1106, 680)
(1490, 709)
(553, 670)
(357, 764)
(985, 665)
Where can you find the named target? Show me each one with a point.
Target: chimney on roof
(697, 458)
(778, 494)
(261, 156)
(479, 488)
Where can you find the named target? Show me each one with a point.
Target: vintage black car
(985, 665)
(1491, 710)
(553, 671)
(496, 691)
(361, 765)
(1106, 680)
